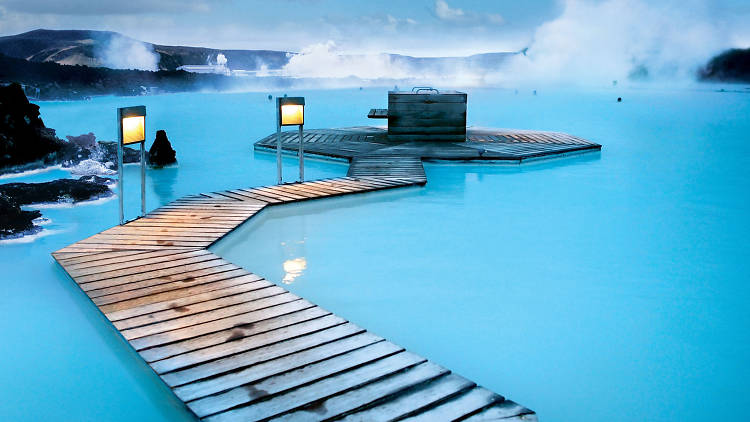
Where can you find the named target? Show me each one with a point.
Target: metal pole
(119, 166)
(301, 157)
(143, 174)
(278, 153)
(278, 139)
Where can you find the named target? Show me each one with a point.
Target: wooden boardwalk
(500, 145)
(233, 346)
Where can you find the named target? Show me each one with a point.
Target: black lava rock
(730, 66)
(23, 136)
(109, 153)
(15, 222)
(61, 190)
(161, 152)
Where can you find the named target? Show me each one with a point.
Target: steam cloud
(325, 61)
(590, 43)
(126, 53)
(620, 39)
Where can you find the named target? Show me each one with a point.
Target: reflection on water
(293, 268)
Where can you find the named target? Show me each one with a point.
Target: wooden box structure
(426, 114)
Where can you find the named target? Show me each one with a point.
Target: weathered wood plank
(505, 411)
(365, 396)
(459, 407)
(414, 401)
(276, 366)
(174, 290)
(262, 351)
(210, 321)
(327, 387)
(289, 380)
(236, 332)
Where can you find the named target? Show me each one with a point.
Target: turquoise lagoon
(608, 286)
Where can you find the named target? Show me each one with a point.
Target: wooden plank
(289, 380)
(505, 411)
(367, 395)
(459, 407)
(130, 261)
(414, 401)
(264, 350)
(113, 274)
(234, 333)
(241, 298)
(93, 258)
(327, 387)
(251, 283)
(179, 276)
(276, 366)
(170, 290)
(257, 308)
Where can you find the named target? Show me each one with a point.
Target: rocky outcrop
(61, 190)
(26, 144)
(161, 152)
(23, 136)
(730, 66)
(86, 141)
(15, 222)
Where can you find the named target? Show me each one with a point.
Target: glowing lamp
(133, 124)
(291, 111)
(131, 128)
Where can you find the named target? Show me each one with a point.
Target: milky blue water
(608, 286)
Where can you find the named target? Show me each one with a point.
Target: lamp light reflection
(293, 268)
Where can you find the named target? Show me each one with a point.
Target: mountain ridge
(87, 47)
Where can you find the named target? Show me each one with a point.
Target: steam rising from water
(619, 39)
(589, 43)
(325, 61)
(121, 52)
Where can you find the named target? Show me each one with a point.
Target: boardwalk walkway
(499, 145)
(233, 346)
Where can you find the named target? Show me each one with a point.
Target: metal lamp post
(290, 111)
(131, 129)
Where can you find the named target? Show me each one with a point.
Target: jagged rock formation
(14, 221)
(161, 152)
(60, 190)
(26, 144)
(23, 136)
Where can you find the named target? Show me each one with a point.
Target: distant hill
(730, 66)
(55, 81)
(93, 48)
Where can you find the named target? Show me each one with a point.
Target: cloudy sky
(427, 27)
(567, 40)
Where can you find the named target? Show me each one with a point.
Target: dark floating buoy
(270, 97)
(619, 99)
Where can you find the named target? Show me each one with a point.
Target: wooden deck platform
(235, 347)
(503, 145)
